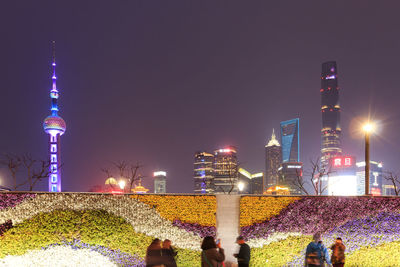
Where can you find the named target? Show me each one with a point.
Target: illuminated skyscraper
(225, 170)
(273, 159)
(203, 173)
(330, 109)
(290, 140)
(160, 182)
(55, 126)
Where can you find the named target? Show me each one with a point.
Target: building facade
(203, 173)
(375, 178)
(54, 126)
(225, 170)
(160, 182)
(290, 175)
(342, 179)
(290, 140)
(273, 159)
(330, 110)
(249, 183)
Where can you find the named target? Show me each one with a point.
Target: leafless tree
(13, 164)
(126, 171)
(315, 176)
(33, 170)
(232, 170)
(394, 179)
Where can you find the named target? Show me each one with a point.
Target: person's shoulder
(246, 245)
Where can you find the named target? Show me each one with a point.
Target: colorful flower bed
(119, 227)
(364, 224)
(11, 200)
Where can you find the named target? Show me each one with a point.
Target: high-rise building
(273, 159)
(250, 183)
(375, 178)
(290, 140)
(160, 182)
(330, 110)
(54, 126)
(225, 170)
(290, 175)
(203, 173)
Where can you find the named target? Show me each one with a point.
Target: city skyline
(144, 87)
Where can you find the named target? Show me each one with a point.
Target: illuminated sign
(160, 173)
(330, 77)
(376, 191)
(225, 150)
(294, 166)
(342, 161)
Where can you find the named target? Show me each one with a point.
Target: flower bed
(363, 223)
(188, 209)
(8, 200)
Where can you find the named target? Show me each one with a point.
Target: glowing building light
(159, 173)
(240, 186)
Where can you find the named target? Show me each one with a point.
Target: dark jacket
(244, 254)
(168, 256)
(154, 257)
(338, 253)
(214, 255)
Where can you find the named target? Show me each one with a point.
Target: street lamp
(121, 184)
(240, 186)
(368, 128)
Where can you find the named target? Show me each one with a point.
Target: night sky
(155, 81)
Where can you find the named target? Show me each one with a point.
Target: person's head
(339, 240)
(166, 243)
(208, 242)
(317, 237)
(240, 240)
(155, 244)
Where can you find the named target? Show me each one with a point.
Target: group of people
(317, 254)
(161, 254)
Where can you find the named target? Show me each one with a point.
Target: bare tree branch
(394, 179)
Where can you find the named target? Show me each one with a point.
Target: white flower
(58, 256)
(260, 242)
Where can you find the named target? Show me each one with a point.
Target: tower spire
(54, 91)
(55, 126)
(273, 141)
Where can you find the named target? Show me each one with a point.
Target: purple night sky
(154, 81)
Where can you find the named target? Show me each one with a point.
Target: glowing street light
(241, 186)
(368, 128)
(121, 184)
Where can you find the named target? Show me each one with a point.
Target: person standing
(243, 257)
(154, 254)
(212, 254)
(316, 253)
(338, 249)
(168, 254)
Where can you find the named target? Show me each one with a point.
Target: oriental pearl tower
(54, 126)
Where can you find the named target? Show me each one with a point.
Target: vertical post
(367, 163)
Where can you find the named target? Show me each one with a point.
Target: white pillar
(228, 211)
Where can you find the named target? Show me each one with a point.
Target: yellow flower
(259, 209)
(188, 209)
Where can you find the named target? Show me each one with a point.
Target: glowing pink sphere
(54, 124)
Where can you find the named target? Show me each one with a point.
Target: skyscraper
(55, 126)
(273, 159)
(290, 140)
(330, 109)
(160, 182)
(203, 173)
(225, 170)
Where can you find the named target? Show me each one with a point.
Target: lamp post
(368, 128)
